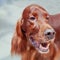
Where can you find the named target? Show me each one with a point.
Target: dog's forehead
(37, 9)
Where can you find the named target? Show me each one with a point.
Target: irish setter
(35, 33)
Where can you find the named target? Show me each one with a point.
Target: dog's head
(36, 27)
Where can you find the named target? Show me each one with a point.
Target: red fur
(20, 43)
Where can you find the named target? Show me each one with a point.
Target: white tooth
(48, 45)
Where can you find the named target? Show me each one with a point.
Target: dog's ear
(19, 42)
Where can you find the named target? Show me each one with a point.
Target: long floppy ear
(19, 42)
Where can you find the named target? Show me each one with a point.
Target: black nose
(49, 33)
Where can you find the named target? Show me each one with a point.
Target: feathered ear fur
(19, 42)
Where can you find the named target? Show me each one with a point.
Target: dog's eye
(32, 18)
(47, 17)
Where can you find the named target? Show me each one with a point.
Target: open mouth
(43, 48)
(40, 47)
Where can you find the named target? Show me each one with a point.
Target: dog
(36, 35)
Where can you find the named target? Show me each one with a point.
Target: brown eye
(47, 17)
(32, 18)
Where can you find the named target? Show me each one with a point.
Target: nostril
(53, 33)
(48, 33)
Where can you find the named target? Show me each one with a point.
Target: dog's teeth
(44, 49)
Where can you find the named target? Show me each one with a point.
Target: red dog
(34, 36)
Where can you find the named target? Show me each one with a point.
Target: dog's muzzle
(40, 47)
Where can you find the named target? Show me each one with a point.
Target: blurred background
(10, 11)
